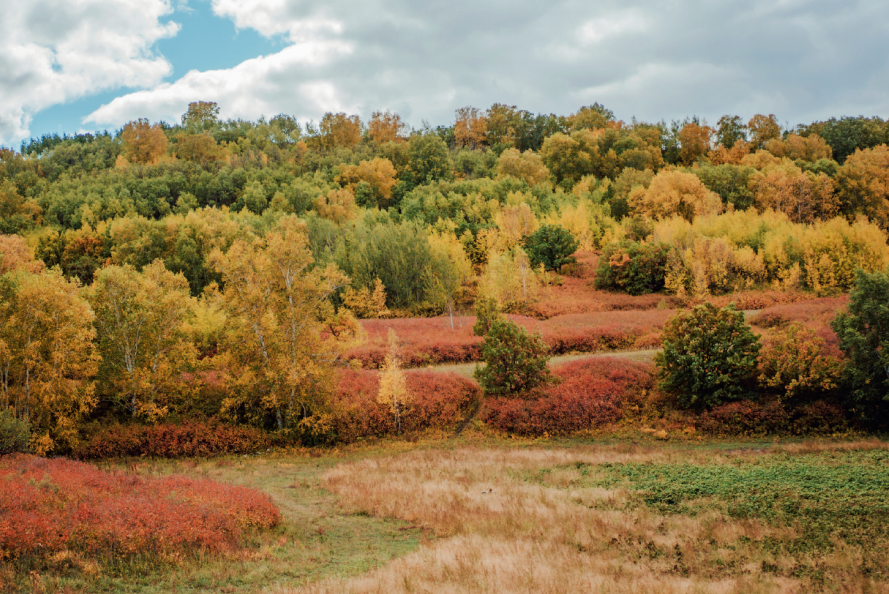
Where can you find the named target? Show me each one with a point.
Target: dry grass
(562, 536)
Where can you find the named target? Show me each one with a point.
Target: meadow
(482, 514)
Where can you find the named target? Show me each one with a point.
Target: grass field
(484, 515)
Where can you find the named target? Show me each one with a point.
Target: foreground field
(490, 516)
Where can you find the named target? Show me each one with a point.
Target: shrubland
(168, 278)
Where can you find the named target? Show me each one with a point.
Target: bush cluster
(588, 394)
(51, 506)
(167, 440)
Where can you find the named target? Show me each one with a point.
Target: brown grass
(527, 536)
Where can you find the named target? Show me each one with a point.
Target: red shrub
(54, 505)
(431, 340)
(592, 393)
(813, 312)
(192, 438)
(748, 417)
(438, 401)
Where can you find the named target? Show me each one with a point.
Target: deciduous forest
(223, 287)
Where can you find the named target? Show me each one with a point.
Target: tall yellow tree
(47, 358)
(386, 127)
(527, 166)
(339, 130)
(674, 192)
(448, 272)
(379, 174)
(285, 334)
(470, 129)
(143, 338)
(143, 143)
(393, 385)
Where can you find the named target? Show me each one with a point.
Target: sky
(69, 66)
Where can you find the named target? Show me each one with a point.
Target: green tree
(515, 361)
(709, 356)
(551, 246)
(428, 160)
(864, 338)
(729, 130)
(487, 311)
(634, 267)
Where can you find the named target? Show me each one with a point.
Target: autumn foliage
(56, 506)
(588, 395)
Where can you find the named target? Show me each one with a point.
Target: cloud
(800, 59)
(53, 51)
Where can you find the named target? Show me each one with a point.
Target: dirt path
(466, 369)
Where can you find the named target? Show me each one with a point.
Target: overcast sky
(83, 65)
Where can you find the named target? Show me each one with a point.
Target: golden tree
(143, 143)
(526, 166)
(378, 173)
(674, 193)
(284, 334)
(141, 320)
(339, 130)
(47, 358)
(762, 129)
(695, 141)
(470, 129)
(864, 180)
(337, 205)
(802, 196)
(386, 127)
(393, 384)
(365, 303)
(806, 148)
(448, 272)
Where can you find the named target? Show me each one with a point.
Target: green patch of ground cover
(829, 500)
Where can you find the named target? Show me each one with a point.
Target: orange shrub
(431, 340)
(56, 505)
(750, 418)
(438, 401)
(192, 438)
(592, 393)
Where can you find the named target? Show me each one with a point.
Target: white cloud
(600, 29)
(53, 51)
(799, 59)
(253, 88)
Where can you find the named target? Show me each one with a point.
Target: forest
(223, 285)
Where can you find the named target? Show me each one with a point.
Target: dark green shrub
(14, 434)
(864, 338)
(487, 311)
(515, 361)
(709, 356)
(551, 246)
(633, 267)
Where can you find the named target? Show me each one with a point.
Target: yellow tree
(470, 129)
(864, 180)
(143, 143)
(763, 129)
(393, 385)
(802, 196)
(339, 130)
(448, 272)
(807, 148)
(141, 320)
(15, 254)
(386, 127)
(527, 166)
(695, 141)
(337, 205)
(284, 334)
(200, 115)
(509, 278)
(379, 174)
(365, 303)
(674, 192)
(47, 358)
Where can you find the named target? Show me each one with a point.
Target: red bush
(749, 417)
(438, 401)
(431, 340)
(192, 438)
(592, 393)
(54, 505)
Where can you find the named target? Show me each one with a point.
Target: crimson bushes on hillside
(52, 506)
(590, 394)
